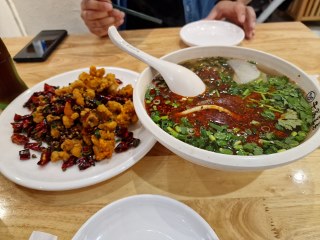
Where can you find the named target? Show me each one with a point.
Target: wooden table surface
(280, 203)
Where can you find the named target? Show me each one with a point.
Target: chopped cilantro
(289, 120)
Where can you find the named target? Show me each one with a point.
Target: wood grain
(281, 203)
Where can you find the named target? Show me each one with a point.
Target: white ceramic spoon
(179, 79)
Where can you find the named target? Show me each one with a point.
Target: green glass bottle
(11, 85)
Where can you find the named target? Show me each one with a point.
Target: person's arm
(236, 12)
(99, 15)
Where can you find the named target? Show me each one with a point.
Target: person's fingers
(117, 14)
(212, 15)
(237, 13)
(96, 5)
(103, 31)
(99, 32)
(251, 17)
(100, 27)
(102, 23)
(227, 9)
(250, 23)
(246, 18)
(94, 10)
(119, 23)
(240, 11)
(99, 15)
(90, 15)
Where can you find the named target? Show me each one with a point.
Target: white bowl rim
(218, 160)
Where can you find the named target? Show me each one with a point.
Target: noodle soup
(267, 115)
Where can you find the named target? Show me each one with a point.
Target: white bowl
(211, 33)
(232, 162)
(145, 217)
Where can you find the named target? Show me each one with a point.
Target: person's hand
(237, 13)
(99, 15)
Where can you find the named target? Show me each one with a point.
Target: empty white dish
(211, 33)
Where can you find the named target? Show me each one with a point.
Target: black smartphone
(41, 46)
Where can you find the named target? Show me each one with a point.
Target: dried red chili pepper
(45, 157)
(118, 81)
(27, 123)
(69, 163)
(19, 139)
(48, 88)
(85, 162)
(121, 147)
(39, 132)
(135, 142)
(17, 127)
(34, 146)
(24, 154)
(18, 118)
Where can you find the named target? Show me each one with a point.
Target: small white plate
(211, 33)
(146, 217)
(51, 177)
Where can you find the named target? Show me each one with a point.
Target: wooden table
(281, 203)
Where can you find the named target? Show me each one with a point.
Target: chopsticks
(138, 14)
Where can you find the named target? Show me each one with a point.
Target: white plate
(51, 177)
(211, 33)
(146, 217)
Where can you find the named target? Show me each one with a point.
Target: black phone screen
(41, 46)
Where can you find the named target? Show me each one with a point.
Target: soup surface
(264, 116)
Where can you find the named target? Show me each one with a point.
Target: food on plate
(78, 124)
(266, 115)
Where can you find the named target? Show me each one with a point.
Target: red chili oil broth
(246, 128)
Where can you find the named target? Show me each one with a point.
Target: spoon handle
(122, 44)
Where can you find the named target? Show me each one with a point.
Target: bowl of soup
(271, 120)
